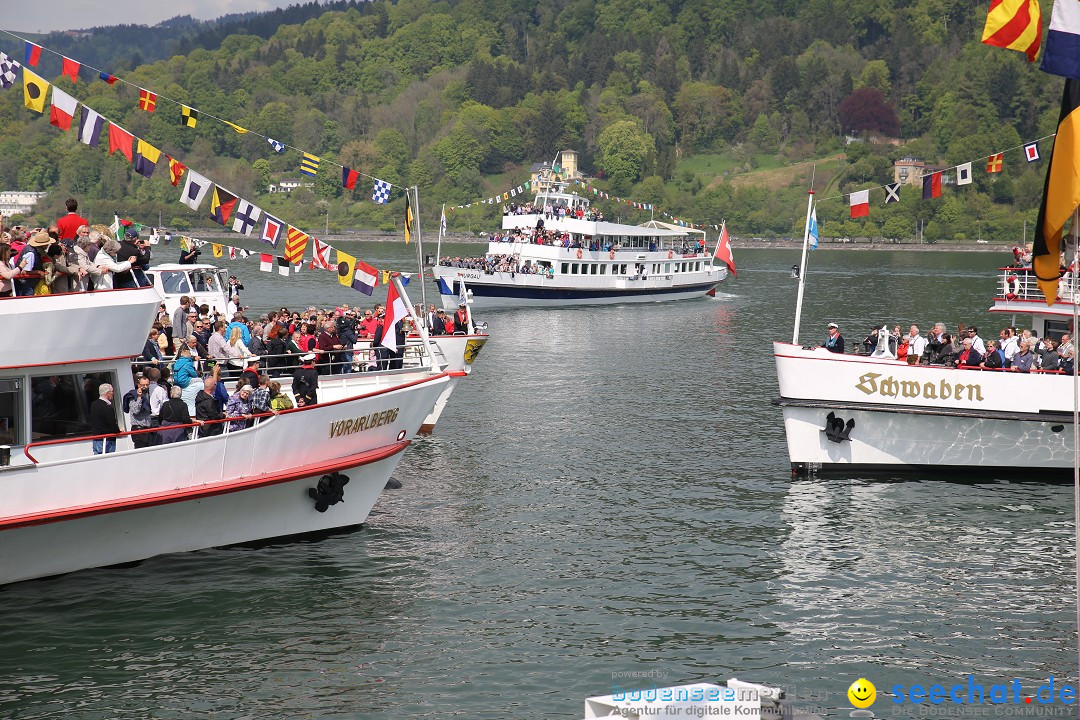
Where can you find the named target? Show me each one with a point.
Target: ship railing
(1019, 283)
(415, 356)
(384, 383)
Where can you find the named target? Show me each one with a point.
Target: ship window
(174, 282)
(667, 268)
(622, 269)
(60, 404)
(603, 268)
(574, 269)
(592, 269)
(564, 268)
(11, 410)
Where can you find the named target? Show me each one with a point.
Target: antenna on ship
(419, 245)
(802, 271)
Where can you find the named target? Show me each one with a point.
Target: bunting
(295, 244)
(32, 54)
(90, 125)
(176, 170)
(147, 100)
(34, 89)
(408, 219)
(189, 116)
(195, 190)
(63, 109)
(71, 69)
(120, 139)
(346, 266)
(8, 71)
(320, 257)
(349, 178)
(146, 157)
(309, 165)
(994, 163)
(222, 203)
(271, 231)
(245, 218)
(381, 193)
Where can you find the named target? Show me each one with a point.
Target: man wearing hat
(251, 372)
(835, 341)
(31, 260)
(461, 319)
(305, 382)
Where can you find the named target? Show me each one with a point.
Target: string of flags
(859, 201)
(226, 208)
(35, 89)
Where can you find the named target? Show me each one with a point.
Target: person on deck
(916, 346)
(68, 226)
(969, 356)
(835, 341)
(305, 383)
(103, 420)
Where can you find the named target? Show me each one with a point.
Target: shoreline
(736, 243)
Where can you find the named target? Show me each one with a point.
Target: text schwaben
(362, 423)
(872, 383)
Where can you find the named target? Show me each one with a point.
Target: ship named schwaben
(872, 383)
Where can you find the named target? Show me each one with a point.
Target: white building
(288, 185)
(18, 202)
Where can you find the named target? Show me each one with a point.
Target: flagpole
(438, 247)
(802, 271)
(419, 247)
(712, 260)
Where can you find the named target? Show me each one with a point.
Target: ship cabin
(204, 284)
(1018, 294)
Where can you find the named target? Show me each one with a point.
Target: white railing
(1020, 284)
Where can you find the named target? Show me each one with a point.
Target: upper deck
(75, 327)
(1018, 292)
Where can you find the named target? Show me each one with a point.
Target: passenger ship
(303, 470)
(857, 412)
(207, 284)
(607, 263)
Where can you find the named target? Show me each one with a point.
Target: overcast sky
(49, 15)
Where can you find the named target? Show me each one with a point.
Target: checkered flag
(278, 146)
(8, 70)
(381, 193)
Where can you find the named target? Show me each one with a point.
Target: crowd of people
(197, 368)
(1014, 350)
(554, 211)
(70, 256)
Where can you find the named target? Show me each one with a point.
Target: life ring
(670, 254)
(611, 254)
(579, 254)
(1012, 287)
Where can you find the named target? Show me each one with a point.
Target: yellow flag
(217, 250)
(386, 277)
(1061, 194)
(408, 219)
(346, 266)
(34, 89)
(235, 127)
(184, 244)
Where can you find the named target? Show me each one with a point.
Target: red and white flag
(63, 109)
(266, 262)
(860, 203)
(395, 313)
(723, 250)
(232, 252)
(321, 258)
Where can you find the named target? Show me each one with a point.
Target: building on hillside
(565, 170)
(910, 170)
(288, 185)
(19, 202)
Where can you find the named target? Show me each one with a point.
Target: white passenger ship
(208, 284)
(857, 412)
(65, 508)
(607, 263)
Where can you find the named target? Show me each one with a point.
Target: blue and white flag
(442, 222)
(381, 193)
(1061, 54)
(90, 124)
(278, 146)
(813, 229)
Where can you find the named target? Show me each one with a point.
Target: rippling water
(609, 493)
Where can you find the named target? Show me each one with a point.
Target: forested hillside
(681, 104)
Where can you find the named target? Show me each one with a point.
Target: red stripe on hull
(250, 483)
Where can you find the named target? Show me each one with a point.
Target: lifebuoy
(1012, 287)
(579, 254)
(611, 254)
(670, 254)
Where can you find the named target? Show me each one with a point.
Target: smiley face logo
(862, 693)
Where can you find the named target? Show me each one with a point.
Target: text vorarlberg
(362, 423)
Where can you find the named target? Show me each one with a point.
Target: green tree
(625, 150)
(262, 173)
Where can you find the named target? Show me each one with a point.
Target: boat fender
(579, 254)
(1012, 287)
(611, 254)
(670, 254)
(329, 491)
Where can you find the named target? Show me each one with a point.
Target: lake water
(606, 500)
